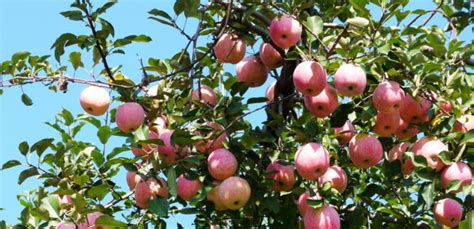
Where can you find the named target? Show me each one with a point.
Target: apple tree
(369, 119)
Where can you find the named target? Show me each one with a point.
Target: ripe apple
(129, 116)
(446, 107)
(65, 200)
(270, 56)
(311, 160)
(214, 198)
(324, 104)
(222, 164)
(365, 151)
(158, 123)
(345, 132)
(309, 78)
(95, 100)
(414, 112)
(386, 124)
(188, 188)
(167, 151)
(430, 148)
(90, 221)
(212, 141)
(132, 179)
(65, 225)
(464, 124)
(350, 80)
(285, 31)
(150, 189)
(229, 48)
(388, 97)
(397, 152)
(283, 175)
(337, 176)
(456, 171)
(448, 212)
(325, 217)
(208, 96)
(146, 150)
(252, 71)
(406, 130)
(234, 192)
(302, 204)
(270, 92)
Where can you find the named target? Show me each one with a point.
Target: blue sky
(33, 25)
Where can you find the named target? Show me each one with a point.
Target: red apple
(90, 221)
(350, 80)
(464, 124)
(397, 152)
(95, 100)
(386, 124)
(430, 148)
(285, 31)
(345, 132)
(337, 176)
(208, 96)
(365, 151)
(229, 48)
(446, 107)
(150, 189)
(405, 130)
(270, 56)
(129, 117)
(214, 198)
(222, 164)
(212, 140)
(302, 203)
(158, 123)
(311, 160)
(270, 92)
(309, 78)
(188, 188)
(234, 192)
(456, 171)
(325, 217)
(324, 104)
(282, 175)
(448, 212)
(252, 71)
(388, 97)
(167, 151)
(132, 179)
(414, 112)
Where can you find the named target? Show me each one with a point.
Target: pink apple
(448, 212)
(324, 104)
(188, 188)
(270, 92)
(285, 31)
(229, 48)
(65, 200)
(414, 112)
(132, 179)
(386, 124)
(90, 221)
(405, 130)
(446, 107)
(456, 171)
(150, 189)
(158, 123)
(302, 203)
(388, 97)
(282, 175)
(167, 151)
(430, 148)
(464, 124)
(146, 149)
(350, 80)
(270, 56)
(208, 96)
(337, 176)
(129, 117)
(214, 198)
(65, 225)
(325, 217)
(234, 192)
(397, 152)
(214, 138)
(95, 100)
(252, 71)
(365, 151)
(222, 164)
(311, 160)
(345, 132)
(309, 78)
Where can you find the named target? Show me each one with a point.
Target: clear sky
(34, 25)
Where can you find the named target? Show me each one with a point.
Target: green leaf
(51, 205)
(428, 193)
(67, 116)
(10, 164)
(315, 26)
(358, 21)
(75, 59)
(157, 12)
(109, 221)
(105, 7)
(257, 100)
(23, 147)
(65, 39)
(468, 222)
(272, 204)
(25, 174)
(104, 134)
(74, 15)
(98, 191)
(468, 137)
(453, 186)
(159, 206)
(171, 175)
(314, 203)
(20, 56)
(26, 100)
(42, 145)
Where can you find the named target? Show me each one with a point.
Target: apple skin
(251, 71)
(214, 198)
(405, 130)
(222, 164)
(446, 107)
(349, 131)
(90, 221)
(270, 92)
(129, 117)
(325, 217)
(234, 192)
(388, 97)
(311, 160)
(386, 124)
(309, 78)
(132, 179)
(283, 175)
(285, 31)
(229, 49)
(365, 151)
(464, 124)
(167, 151)
(413, 112)
(324, 104)
(95, 100)
(150, 189)
(158, 123)
(397, 152)
(208, 96)
(430, 147)
(447, 212)
(270, 56)
(350, 80)
(303, 206)
(187, 188)
(456, 171)
(337, 176)
(212, 142)
(65, 225)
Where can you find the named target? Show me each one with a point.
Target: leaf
(74, 15)
(10, 164)
(51, 205)
(468, 222)
(159, 206)
(26, 100)
(358, 21)
(314, 203)
(453, 186)
(105, 7)
(157, 12)
(428, 193)
(23, 147)
(98, 191)
(75, 59)
(468, 137)
(189, 7)
(315, 26)
(171, 175)
(25, 174)
(257, 100)
(67, 116)
(65, 39)
(106, 220)
(41, 145)
(272, 204)
(104, 134)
